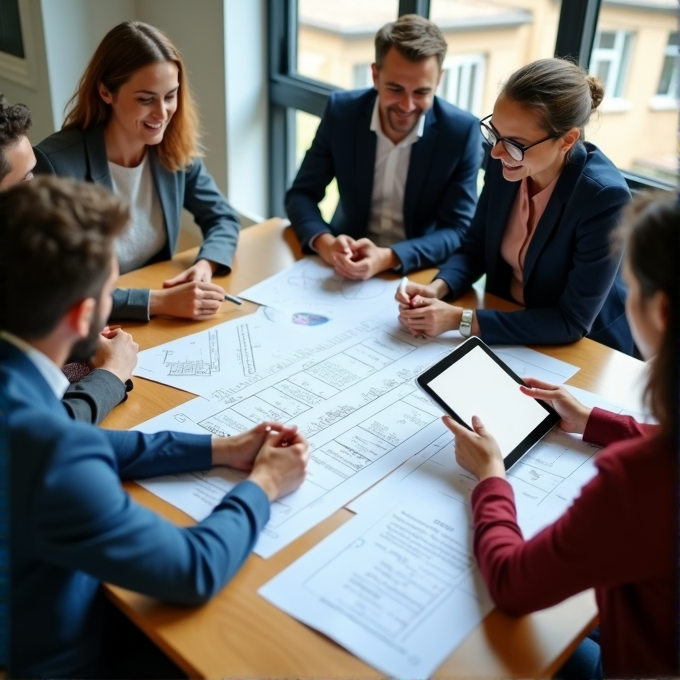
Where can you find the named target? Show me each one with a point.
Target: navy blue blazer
(441, 185)
(572, 284)
(72, 526)
(81, 154)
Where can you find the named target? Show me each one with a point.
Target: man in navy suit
(72, 526)
(406, 164)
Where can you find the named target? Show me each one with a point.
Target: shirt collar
(53, 375)
(412, 136)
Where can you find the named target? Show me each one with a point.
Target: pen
(233, 298)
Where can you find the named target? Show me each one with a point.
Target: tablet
(473, 381)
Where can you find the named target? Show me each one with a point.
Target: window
(11, 41)
(318, 46)
(463, 81)
(609, 62)
(668, 83)
(335, 39)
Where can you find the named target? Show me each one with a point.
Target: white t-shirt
(146, 234)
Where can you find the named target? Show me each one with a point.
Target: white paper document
(356, 402)
(546, 480)
(238, 353)
(398, 588)
(311, 287)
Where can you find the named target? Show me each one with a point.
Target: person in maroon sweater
(620, 535)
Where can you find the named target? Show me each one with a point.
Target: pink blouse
(524, 216)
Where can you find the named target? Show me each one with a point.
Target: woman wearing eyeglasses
(542, 226)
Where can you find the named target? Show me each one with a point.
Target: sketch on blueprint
(200, 356)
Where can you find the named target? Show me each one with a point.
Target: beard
(83, 350)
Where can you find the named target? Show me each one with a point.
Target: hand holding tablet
(473, 381)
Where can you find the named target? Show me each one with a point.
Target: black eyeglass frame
(493, 133)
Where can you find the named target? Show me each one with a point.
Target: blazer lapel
(502, 195)
(553, 211)
(164, 181)
(97, 161)
(366, 144)
(421, 155)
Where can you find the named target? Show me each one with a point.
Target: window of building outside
(10, 29)
(610, 60)
(634, 54)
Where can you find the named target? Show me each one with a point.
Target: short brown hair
(15, 122)
(56, 245)
(415, 37)
(650, 235)
(562, 92)
(125, 49)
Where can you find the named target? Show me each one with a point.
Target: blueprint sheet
(311, 290)
(354, 399)
(398, 584)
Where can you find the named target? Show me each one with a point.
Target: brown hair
(415, 37)
(125, 49)
(650, 233)
(562, 92)
(15, 122)
(56, 245)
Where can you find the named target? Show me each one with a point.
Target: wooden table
(239, 634)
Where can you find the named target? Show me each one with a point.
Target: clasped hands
(423, 313)
(189, 295)
(356, 260)
(275, 455)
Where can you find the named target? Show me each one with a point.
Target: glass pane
(488, 40)
(335, 38)
(305, 129)
(638, 130)
(607, 40)
(666, 76)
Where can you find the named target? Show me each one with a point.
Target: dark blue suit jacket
(73, 526)
(572, 285)
(81, 154)
(441, 186)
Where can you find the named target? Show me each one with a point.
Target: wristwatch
(465, 328)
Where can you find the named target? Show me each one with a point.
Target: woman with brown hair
(133, 127)
(620, 535)
(541, 229)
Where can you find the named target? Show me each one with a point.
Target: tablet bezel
(423, 380)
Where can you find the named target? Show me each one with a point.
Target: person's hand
(116, 353)
(428, 317)
(477, 452)
(202, 270)
(574, 415)
(192, 300)
(404, 295)
(334, 248)
(240, 450)
(281, 465)
(366, 260)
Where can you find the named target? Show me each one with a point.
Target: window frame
(288, 91)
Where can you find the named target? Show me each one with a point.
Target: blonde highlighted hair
(125, 49)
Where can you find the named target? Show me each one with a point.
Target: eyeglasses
(514, 149)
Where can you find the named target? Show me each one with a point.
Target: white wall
(73, 29)
(224, 47)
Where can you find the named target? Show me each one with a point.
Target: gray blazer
(81, 154)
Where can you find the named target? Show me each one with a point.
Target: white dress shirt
(386, 224)
(53, 375)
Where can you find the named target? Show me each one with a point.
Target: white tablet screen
(476, 385)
